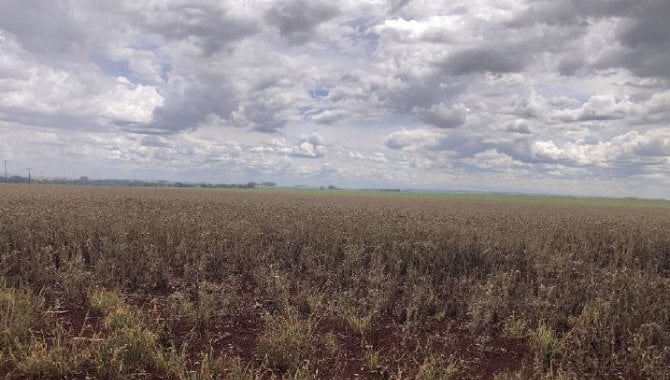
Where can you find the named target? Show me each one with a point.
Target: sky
(537, 96)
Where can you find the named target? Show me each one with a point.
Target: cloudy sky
(547, 96)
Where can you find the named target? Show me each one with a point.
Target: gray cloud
(518, 126)
(297, 20)
(267, 107)
(200, 98)
(487, 59)
(572, 12)
(405, 92)
(571, 64)
(45, 28)
(442, 116)
(210, 24)
(397, 5)
(642, 30)
(644, 36)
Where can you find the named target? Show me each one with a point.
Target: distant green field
(554, 199)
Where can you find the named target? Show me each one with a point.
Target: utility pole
(6, 169)
(29, 169)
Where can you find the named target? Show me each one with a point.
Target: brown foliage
(256, 284)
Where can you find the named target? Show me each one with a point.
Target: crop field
(192, 283)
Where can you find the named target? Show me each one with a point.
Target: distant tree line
(329, 187)
(15, 179)
(127, 182)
